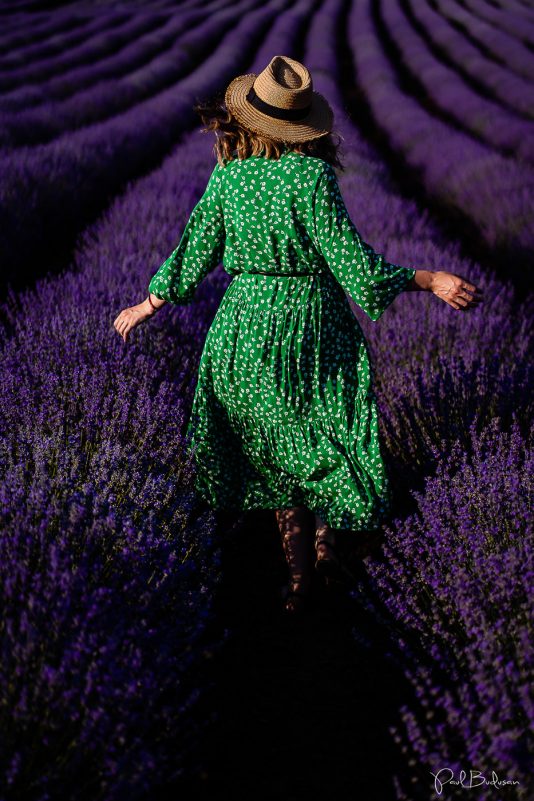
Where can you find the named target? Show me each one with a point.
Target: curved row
(94, 47)
(18, 34)
(491, 41)
(21, 63)
(191, 39)
(517, 7)
(448, 95)
(110, 65)
(492, 192)
(510, 90)
(55, 188)
(521, 29)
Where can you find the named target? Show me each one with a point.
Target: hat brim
(318, 122)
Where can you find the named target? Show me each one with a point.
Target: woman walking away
(284, 415)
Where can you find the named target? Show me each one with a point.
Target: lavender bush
(55, 188)
(448, 95)
(491, 191)
(458, 582)
(106, 590)
(492, 77)
(109, 565)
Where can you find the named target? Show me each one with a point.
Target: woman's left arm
(371, 280)
(454, 289)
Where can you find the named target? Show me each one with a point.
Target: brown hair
(232, 136)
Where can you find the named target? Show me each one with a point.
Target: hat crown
(284, 83)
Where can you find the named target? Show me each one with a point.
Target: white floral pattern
(284, 412)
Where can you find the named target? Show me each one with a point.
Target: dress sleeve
(199, 250)
(365, 275)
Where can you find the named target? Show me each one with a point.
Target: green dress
(284, 412)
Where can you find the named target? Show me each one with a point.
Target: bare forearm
(422, 281)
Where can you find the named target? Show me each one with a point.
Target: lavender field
(142, 648)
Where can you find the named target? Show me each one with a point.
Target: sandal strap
(332, 547)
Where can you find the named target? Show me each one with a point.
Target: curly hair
(233, 140)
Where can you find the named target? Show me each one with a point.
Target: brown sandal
(330, 564)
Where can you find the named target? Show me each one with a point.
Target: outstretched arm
(366, 275)
(199, 251)
(455, 290)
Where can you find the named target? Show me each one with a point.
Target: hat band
(275, 111)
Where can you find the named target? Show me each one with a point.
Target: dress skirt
(284, 412)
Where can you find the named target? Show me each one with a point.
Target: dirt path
(303, 708)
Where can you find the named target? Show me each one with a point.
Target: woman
(284, 414)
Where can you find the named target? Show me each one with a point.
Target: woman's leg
(324, 536)
(297, 531)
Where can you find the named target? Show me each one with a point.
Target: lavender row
(180, 47)
(16, 32)
(517, 8)
(98, 65)
(498, 32)
(461, 105)
(515, 21)
(456, 590)
(511, 90)
(97, 504)
(23, 63)
(31, 78)
(492, 192)
(55, 189)
(39, 27)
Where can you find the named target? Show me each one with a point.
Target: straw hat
(280, 102)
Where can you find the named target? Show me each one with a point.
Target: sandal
(330, 564)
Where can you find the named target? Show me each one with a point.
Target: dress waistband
(282, 275)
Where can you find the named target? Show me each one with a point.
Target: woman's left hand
(131, 317)
(455, 290)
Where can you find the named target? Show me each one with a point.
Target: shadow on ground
(303, 709)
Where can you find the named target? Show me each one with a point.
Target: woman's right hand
(455, 290)
(131, 317)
